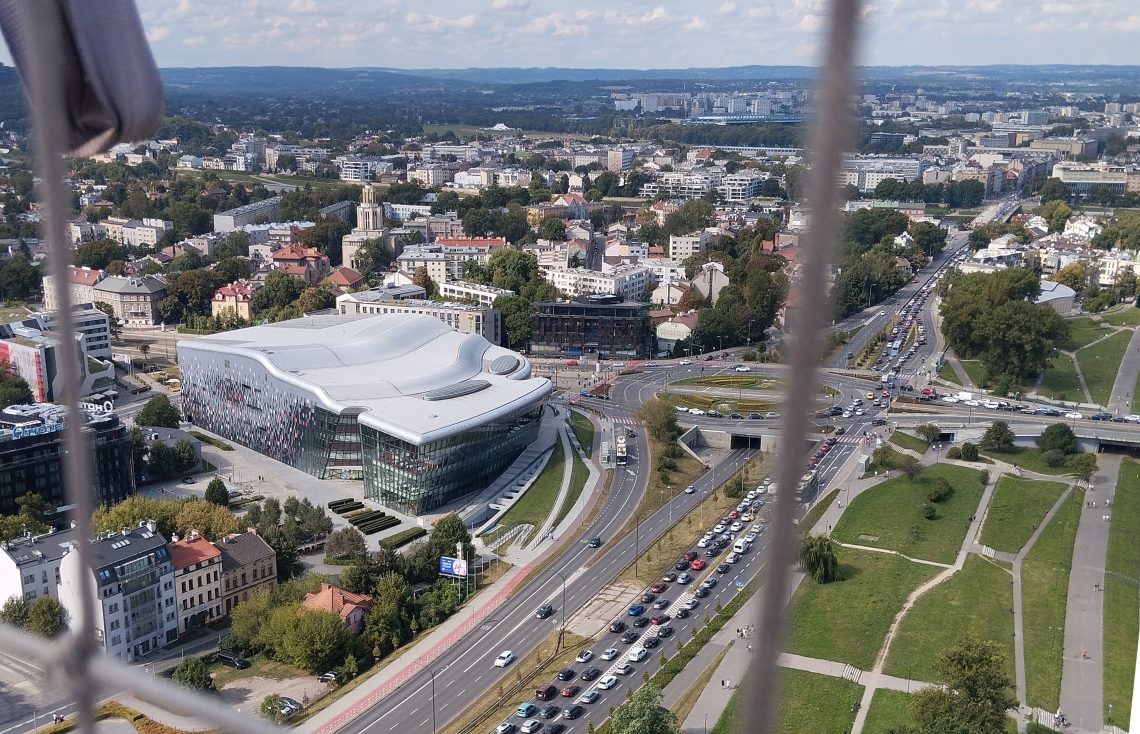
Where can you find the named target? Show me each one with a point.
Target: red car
(734, 515)
(697, 565)
(571, 363)
(660, 619)
(884, 394)
(832, 440)
(657, 588)
(570, 691)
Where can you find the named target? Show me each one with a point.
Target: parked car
(232, 659)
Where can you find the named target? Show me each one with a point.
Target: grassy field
(686, 701)
(889, 711)
(1060, 381)
(1100, 362)
(734, 381)
(978, 599)
(808, 703)
(847, 620)
(1123, 315)
(583, 430)
(1044, 586)
(946, 372)
(258, 666)
(892, 460)
(1121, 601)
(890, 515)
(974, 370)
(1082, 332)
(812, 517)
(537, 502)
(907, 441)
(1026, 458)
(1017, 508)
(578, 476)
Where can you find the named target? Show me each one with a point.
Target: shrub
(954, 453)
(929, 512)
(1055, 457)
(969, 451)
(940, 492)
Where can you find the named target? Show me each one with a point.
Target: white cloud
(160, 33)
(696, 23)
(727, 9)
(509, 4)
(555, 24)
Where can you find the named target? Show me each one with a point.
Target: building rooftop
(122, 284)
(384, 365)
(336, 600)
(114, 548)
(253, 207)
(240, 550)
(1051, 291)
(50, 546)
(192, 549)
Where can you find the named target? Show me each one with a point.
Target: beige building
(134, 299)
(237, 297)
(469, 319)
(248, 565)
(82, 283)
(197, 581)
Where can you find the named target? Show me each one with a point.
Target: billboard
(453, 567)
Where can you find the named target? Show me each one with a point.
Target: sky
(641, 34)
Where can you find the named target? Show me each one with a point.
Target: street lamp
(563, 630)
(432, 672)
(636, 541)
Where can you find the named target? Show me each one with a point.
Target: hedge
(402, 538)
(215, 442)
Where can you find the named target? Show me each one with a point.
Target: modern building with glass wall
(420, 412)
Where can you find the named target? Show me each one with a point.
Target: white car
(682, 409)
(685, 362)
(589, 696)
(1075, 415)
(747, 517)
(732, 557)
(737, 526)
(971, 403)
(743, 368)
(719, 528)
(637, 654)
(858, 411)
(584, 657)
(684, 578)
(1132, 418)
(530, 726)
(696, 411)
(505, 658)
(689, 490)
(609, 653)
(703, 543)
(949, 399)
(606, 682)
(847, 414)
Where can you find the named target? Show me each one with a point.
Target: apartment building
(133, 583)
(741, 187)
(29, 565)
(461, 290)
(866, 173)
(198, 580)
(237, 298)
(266, 210)
(628, 281)
(81, 283)
(307, 263)
(248, 565)
(469, 319)
(133, 299)
(687, 245)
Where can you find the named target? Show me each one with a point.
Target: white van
(741, 546)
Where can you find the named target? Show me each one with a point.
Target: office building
(423, 414)
(259, 212)
(626, 281)
(461, 290)
(93, 324)
(132, 583)
(603, 325)
(31, 456)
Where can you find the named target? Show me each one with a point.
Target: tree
(346, 543)
(969, 451)
(928, 237)
(46, 617)
(15, 611)
(909, 466)
(928, 432)
(978, 693)
(316, 641)
(213, 522)
(644, 713)
(998, 437)
(98, 254)
(552, 228)
(1074, 275)
(423, 280)
(1083, 465)
(447, 533)
(660, 418)
(1058, 437)
(817, 554)
(229, 269)
(372, 257)
(144, 349)
(1055, 213)
(194, 674)
(1054, 189)
(315, 299)
(14, 389)
(159, 411)
(271, 707)
(19, 278)
(135, 509)
(217, 493)
(113, 323)
(279, 291)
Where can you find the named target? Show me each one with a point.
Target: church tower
(369, 214)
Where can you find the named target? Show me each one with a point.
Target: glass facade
(598, 325)
(418, 479)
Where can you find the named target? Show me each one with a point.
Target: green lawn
(1044, 587)
(1017, 508)
(975, 371)
(946, 372)
(1082, 332)
(847, 620)
(892, 460)
(809, 702)
(578, 476)
(907, 441)
(1026, 458)
(537, 502)
(1121, 598)
(978, 600)
(1124, 315)
(890, 515)
(1100, 362)
(889, 710)
(808, 521)
(583, 430)
(733, 381)
(1060, 381)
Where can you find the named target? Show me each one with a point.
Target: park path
(1120, 400)
(1082, 679)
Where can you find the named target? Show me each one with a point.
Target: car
(617, 626)
(506, 728)
(709, 583)
(690, 555)
(689, 489)
(714, 551)
(623, 669)
(567, 674)
(641, 622)
(232, 659)
(610, 653)
(879, 422)
(700, 592)
(544, 611)
(505, 658)
(684, 578)
(661, 603)
(595, 543)
(840, 431)
(570, 691)
(949, 399)
(771, 414)
(846, 414)
(697, 565)
(666, 631)
(719, 528)
(669, 576)
(734, 515)
(714, 414)
(530, 726)
(754, 416)
(1132, 418)
(704, 542)
(884, 394)
(870, 396)
(685, 362)
(635, 610)
(743, 368)
(682, 409)
(732, 557)
(630, 433)
(589, 696)
(650, 643)
(590, 673)
(526, 709)
(630, 637)
(648, 597)
(696, 411)
(736, 527)
(607, 682)
(1100, 417)
(188, 480)
(723, 568)
(1074, 415)
(682, 613)
(290, 706)
(680, 565)
(584, 657)
(637, 654)
(859, 411)
(329, 677)
(549, 711)
(660, 619)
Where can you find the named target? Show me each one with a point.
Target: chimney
(151, 526)
(193, 535)
(126, 531)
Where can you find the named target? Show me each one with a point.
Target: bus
(621, 449)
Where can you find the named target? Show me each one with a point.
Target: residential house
(676, 329)
(198, 580)
(350, 607)
(306, 263)
(236, 297)
(710, 280)
(134, 299)
(345, 280)
(248, 565)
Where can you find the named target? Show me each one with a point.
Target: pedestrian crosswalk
(623, 421)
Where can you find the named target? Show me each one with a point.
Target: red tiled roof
(240, 290)
(571, 198)
(192, 550)
(336, 600)
(296, 252)
(345, 276)
(85, 276)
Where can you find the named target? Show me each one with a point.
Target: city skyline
(638, 34)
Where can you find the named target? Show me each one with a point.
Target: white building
(664, 269)
(461, 290)
(29, 566)
(359, 169)
(687, 245)
(468, 319)
(628, 281)
(741, 186)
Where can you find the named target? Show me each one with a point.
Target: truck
(621, 454)
(964, 396)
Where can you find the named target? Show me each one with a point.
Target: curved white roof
(1052, 291)
(384, 364)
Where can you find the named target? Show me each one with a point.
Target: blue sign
(453, 567)
(21, 432)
